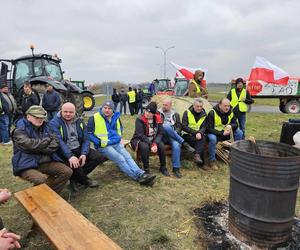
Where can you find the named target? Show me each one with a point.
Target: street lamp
(165, 57)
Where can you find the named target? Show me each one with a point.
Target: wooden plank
(65, 227)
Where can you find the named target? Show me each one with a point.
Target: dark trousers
(144, 151)
(132, 108)
(93, 159)
(139, 107)
(198, 145)
(115, 105)
(123, 105)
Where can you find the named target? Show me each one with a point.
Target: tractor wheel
(146, 101)
(76, 99)
(88, 101)
(292, 107)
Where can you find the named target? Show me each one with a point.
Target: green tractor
(39, 70)
(88, 96)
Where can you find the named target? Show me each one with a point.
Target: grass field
(137, 217)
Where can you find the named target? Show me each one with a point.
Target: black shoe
(147, 170)
(164, 171)
(188, 147)
(198, 160)
(73, 185)
(147, 179)
(92, 183)
(177, 173)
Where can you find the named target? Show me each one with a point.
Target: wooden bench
(63, 225)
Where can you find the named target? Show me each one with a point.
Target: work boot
(92, 183)
(213, 165)
(164, 171)
(198, 160)
(147, 170)
(147, 179)
(176, 172)
(205, 168)
(73, 185)
(187, 147)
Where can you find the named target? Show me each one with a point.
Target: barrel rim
(289, 147)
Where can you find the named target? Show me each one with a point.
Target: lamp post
(165, 57)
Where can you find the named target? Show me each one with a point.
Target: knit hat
(151, 107)
(238, 80)
(108, 103)
(3, 85)
(37, 111)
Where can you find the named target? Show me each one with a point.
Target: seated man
(105, 130)
(220, 123)
(75, 146)
(172, 131)
(194, 125)
(34, 151)
(147, 137)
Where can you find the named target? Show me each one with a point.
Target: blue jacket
(51, 101)
(57, 124)
(32, 146)
(113, 136)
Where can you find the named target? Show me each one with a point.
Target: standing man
(194, 126)
(148, 136)
(221, 122)
(105, 130)
(51, 102)
(139, 101)
(27, 98)
(74, 146)
(34, 151)
(172, 131)
(239, 97)
(123, 100)
(115, 98)
(131, 100)
(8, 108)
(195, 86)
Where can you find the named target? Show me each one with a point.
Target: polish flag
(188, 73)
(268, 72)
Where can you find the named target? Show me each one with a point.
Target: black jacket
(140, 132)
(198, 116)
(115, 97)
(26, 101)
(123, 96)
(140, 96)
(224, 117)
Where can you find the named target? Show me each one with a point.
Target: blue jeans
(242, 122)
(119, 155)
(175, 141)
(4, 126)
(213, 140)
(51, 115)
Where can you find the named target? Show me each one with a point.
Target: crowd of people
(51, 144)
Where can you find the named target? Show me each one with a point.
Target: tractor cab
(181, 86)
(163, 87)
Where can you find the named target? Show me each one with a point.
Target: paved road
(254, 108)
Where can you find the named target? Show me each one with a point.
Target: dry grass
(137, 217)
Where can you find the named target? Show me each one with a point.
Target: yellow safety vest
(197, 87)
(131, 95)
(218, 121)
(238, 101)
(192, 122)
(62, 131)
(101, 131)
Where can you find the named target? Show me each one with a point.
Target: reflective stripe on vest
(101, 131)
(62, 131)
(192, 122)
(238, 101)
(131, 96)
(197, 87)
(218, 121)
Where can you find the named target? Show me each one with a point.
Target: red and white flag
(268, 72)
(188, 73)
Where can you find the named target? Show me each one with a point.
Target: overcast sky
(115, 40)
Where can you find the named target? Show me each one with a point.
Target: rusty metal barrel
(264, 181)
